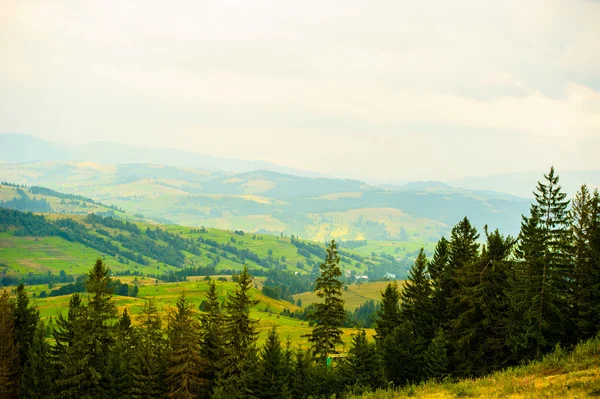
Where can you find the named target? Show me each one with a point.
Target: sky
(377, 90)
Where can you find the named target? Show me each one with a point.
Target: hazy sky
(371, 89)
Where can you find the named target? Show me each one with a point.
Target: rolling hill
(268, 202)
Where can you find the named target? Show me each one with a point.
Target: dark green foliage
(440, 279)
(118, 377)
(540, 289)
(185, 364)
(273, 374)
(362, 368)
(9, 353)
(211, 323)
(402, 355)
(388, 316)
(480, 328)
(417, 299)
(585, 277)
(435, 358)
(26, 320)
(239, 332)
(148, 361)
(329, 315)
(37, 379)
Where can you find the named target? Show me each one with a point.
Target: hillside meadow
(165, 294)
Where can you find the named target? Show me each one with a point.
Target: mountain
(24, 148)
(270, 202)
(520, 184)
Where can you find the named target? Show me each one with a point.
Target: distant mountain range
(25, 148)
(197, 190)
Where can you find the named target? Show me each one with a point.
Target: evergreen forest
(483, 302)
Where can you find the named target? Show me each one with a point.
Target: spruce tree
(462, 252)
(211, 325)
(83, 363)
(147, 364)
(362, 368)
(584, 298)
(272, 377)
(435, 359)
(37, 380)
(329, 315)
(26, 320)
(417, 299)
(440, 281)
(185, 364)
(541, 285)
(388, 315)
(479, 331)
(240, 335)
(9, 353)
(118, 376)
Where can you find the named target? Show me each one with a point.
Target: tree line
(469, 310)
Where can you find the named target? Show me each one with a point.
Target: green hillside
(49, 243)
(318, 209)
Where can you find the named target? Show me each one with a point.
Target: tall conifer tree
(479, 331)
(329, 314)
(417, 299)
(26, 320)
(9, 353)
(540, 289)
(388, 315)
(211, 323)
(585, 278)
(240, 354)
(185, 364)
(148, 360)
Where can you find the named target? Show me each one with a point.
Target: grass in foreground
(560, 374)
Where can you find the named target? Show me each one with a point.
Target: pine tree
(329, 315)
(147, 363)
(440, 282)
(272, 376)
(362, 367)
(402, 355)
(239, 332)
(26, 320)
(118, 376)
(64, 331)
(185, 365)
(211, 324)
(37, 380)
(388, 315)
(462, 252)
(584, 298)
(417, 299)
(435, 359)
(540, 288)
(479, 331)
(9, 353)
(83, 363)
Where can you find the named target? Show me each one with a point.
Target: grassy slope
(558, 375)
(24, 255)
(165, 295)
(356, 295)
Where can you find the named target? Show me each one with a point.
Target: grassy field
(397, 249)
(559, 375)
(356, 295)
(39, 255)
(165, 294)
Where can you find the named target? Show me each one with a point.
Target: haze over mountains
(198, 190)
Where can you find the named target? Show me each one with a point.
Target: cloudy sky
(384, 90)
